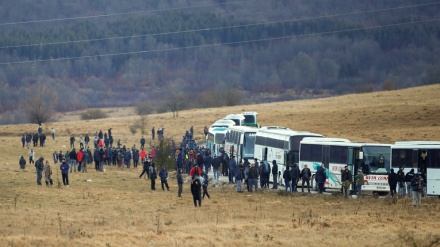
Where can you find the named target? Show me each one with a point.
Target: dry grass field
(118, 209)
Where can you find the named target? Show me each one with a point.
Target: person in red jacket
(195, 171)
(79, 158)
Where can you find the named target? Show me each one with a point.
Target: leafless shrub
(93, 114)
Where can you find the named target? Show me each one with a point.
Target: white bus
(421, 156)
(221, 124)
(240, 142)
(237, 118)
(250, 119)
(215, 140)
(336, 153)
(280, 144)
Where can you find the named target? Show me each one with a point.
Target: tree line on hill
(173, 60)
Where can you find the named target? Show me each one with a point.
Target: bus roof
(274, 128)
(234, 116)
(325, 139)
(418, 143)
(253, 113)
(422, 147)
(224, 121)
(219, 129)
(243, 128)
(283, 131)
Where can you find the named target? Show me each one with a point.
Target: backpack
(266, 167)
(305, 174)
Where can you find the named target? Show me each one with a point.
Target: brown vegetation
(118, 209)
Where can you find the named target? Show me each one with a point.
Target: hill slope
(116, 208)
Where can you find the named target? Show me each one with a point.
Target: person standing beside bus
(417, 189)
(320, 178)
(306, 176)
(392, 181)
(287, 178)
(401, 182)
(346, 181)
(275, 175)
(295, 174)
(359, 179)
(253, 178)
(408, 178)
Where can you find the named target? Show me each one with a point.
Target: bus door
(264, 153)
(353, 155)
(433, 172)
(422, 155)
(325, 157)
(240, 151)
(231, 151)
(416, 160)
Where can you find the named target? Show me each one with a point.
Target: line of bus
(423, 157)
(335, 154)
(280, 144)
(240, 142)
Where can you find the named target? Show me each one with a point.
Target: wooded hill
(225, 53)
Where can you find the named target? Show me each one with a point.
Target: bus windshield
(376, 159)
(249, 119)
(219, 138)
(248, 145)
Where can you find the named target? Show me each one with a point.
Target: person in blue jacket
(163, 174)
(64, 167)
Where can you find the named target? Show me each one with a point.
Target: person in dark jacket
(232, 169)
(127, 158)
(239, 178)
(205, 185)
(179, 182)
(401, 182)
(392, 181)
(408, 178)
(253, 178)
(39, 165)
(152, 133)
(23, 141)
(145, 171)
(153, 176)
(72, 141)
(207, 161)
(142, 141)
(215, 167)
(275, 174)
(73, 158)
(346, 180)
(306, 175)
(22, 163)
(96, 159)
(287, 179)
(320, 178)
(64, 167)
(195, 191)
(135, 158)
(417, 189)
(295, 174)
(163, 174)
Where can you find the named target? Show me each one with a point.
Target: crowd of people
(197, 162)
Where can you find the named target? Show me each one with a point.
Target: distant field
(118, 209)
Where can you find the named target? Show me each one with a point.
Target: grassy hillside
(118, 209)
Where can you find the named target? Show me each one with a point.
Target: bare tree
(142, 124)
(174, 99)
(38, 107)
